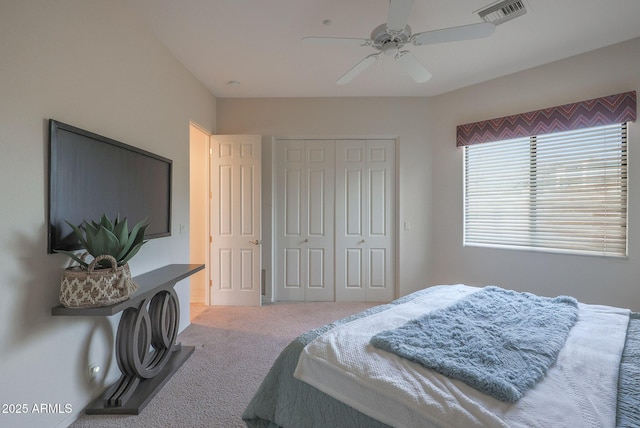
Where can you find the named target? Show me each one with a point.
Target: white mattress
(579, 389)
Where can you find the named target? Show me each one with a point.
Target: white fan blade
(454, 34)
(399, 11)
(357, 69)
(347, 41)
(415, 69)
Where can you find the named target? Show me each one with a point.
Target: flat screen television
(91, 175)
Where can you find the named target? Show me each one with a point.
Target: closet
(334, 236)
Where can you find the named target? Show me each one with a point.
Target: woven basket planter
(91, 288)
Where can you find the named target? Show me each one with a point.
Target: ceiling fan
(389, 39)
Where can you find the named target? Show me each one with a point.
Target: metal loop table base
(144, 343)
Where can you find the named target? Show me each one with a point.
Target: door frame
(269, 201)
(199, 201)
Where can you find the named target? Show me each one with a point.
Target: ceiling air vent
(503, 11)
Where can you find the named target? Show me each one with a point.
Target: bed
(334, 376)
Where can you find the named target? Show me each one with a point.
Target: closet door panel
(353, 200)
(381, 220)
(304, 219)
(316, 269)
(353, 269)
(365, 239)
(319, 241)
(351, 206)
(317, 196)
(290, 269)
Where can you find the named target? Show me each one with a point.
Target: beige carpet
(235, 347)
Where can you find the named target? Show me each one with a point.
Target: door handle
(255, 242)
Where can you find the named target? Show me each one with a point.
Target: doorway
(225, 223)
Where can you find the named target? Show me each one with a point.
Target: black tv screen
(91, 175)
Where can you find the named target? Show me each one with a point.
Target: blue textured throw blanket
(498, 341)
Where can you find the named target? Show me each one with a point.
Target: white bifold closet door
(365, 220)
(304, 220)
(334, 220)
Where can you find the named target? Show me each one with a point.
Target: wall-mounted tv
(91, 175)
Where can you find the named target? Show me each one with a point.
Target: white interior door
(235, 220)
(365, 220)
(304, 220)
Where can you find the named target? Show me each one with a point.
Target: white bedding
(579, 389)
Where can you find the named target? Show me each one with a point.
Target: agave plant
(109, 238)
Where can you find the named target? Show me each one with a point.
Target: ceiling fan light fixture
(390, 48)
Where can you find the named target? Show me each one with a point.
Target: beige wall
(90, 64)
(601, 280)
(406, 119)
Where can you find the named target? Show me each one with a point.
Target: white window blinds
(564, 192)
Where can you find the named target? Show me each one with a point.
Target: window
(563, 191)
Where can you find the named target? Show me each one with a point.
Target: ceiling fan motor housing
(381, 36)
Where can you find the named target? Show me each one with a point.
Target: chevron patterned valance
(617, 108)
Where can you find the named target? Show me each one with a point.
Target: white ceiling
(257, 42)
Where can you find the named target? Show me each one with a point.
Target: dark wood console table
(146, 348)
